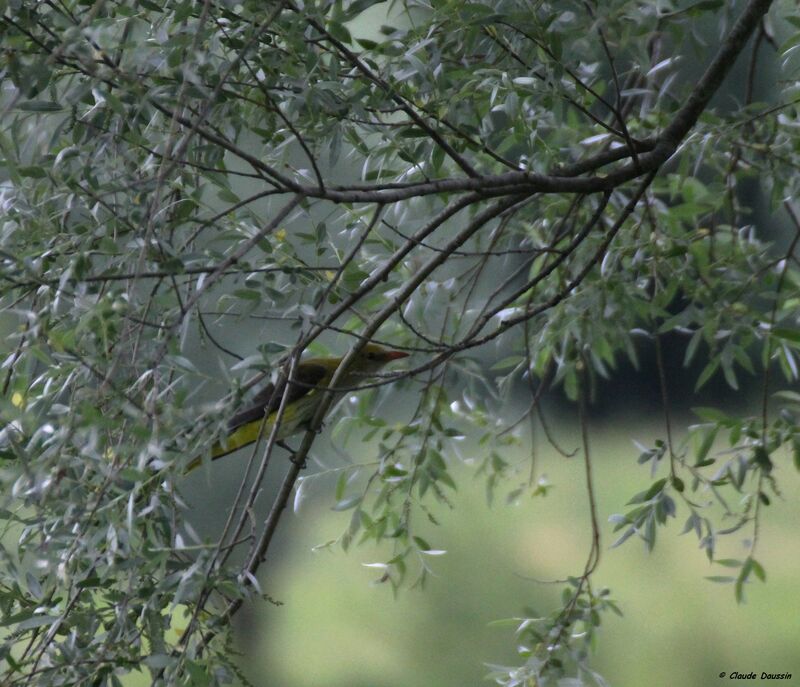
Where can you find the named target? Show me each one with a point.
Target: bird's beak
(396, 355)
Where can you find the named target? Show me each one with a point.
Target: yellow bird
(311, 376)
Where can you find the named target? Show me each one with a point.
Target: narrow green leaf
(346, 504)
(758, 570)
(787, 334)
(762, 459)
(39, 106)
(706, 374)
(655, 488)
(705, 446)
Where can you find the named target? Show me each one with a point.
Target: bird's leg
(292, 453)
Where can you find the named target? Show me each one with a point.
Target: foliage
(520, 193)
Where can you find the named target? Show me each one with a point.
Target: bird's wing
(268, 400)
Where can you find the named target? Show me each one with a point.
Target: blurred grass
(336, 628)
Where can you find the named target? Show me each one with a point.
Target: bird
(311, 377)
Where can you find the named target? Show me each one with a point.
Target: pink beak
(396, 355)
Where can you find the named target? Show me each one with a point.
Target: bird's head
(380, 354)
(373, 357)
(369, 360)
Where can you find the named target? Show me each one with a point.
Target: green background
(336, 627)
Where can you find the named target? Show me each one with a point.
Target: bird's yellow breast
(295, 418)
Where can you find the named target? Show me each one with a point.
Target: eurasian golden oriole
(311, 377)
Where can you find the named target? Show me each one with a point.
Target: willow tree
(519, 194)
